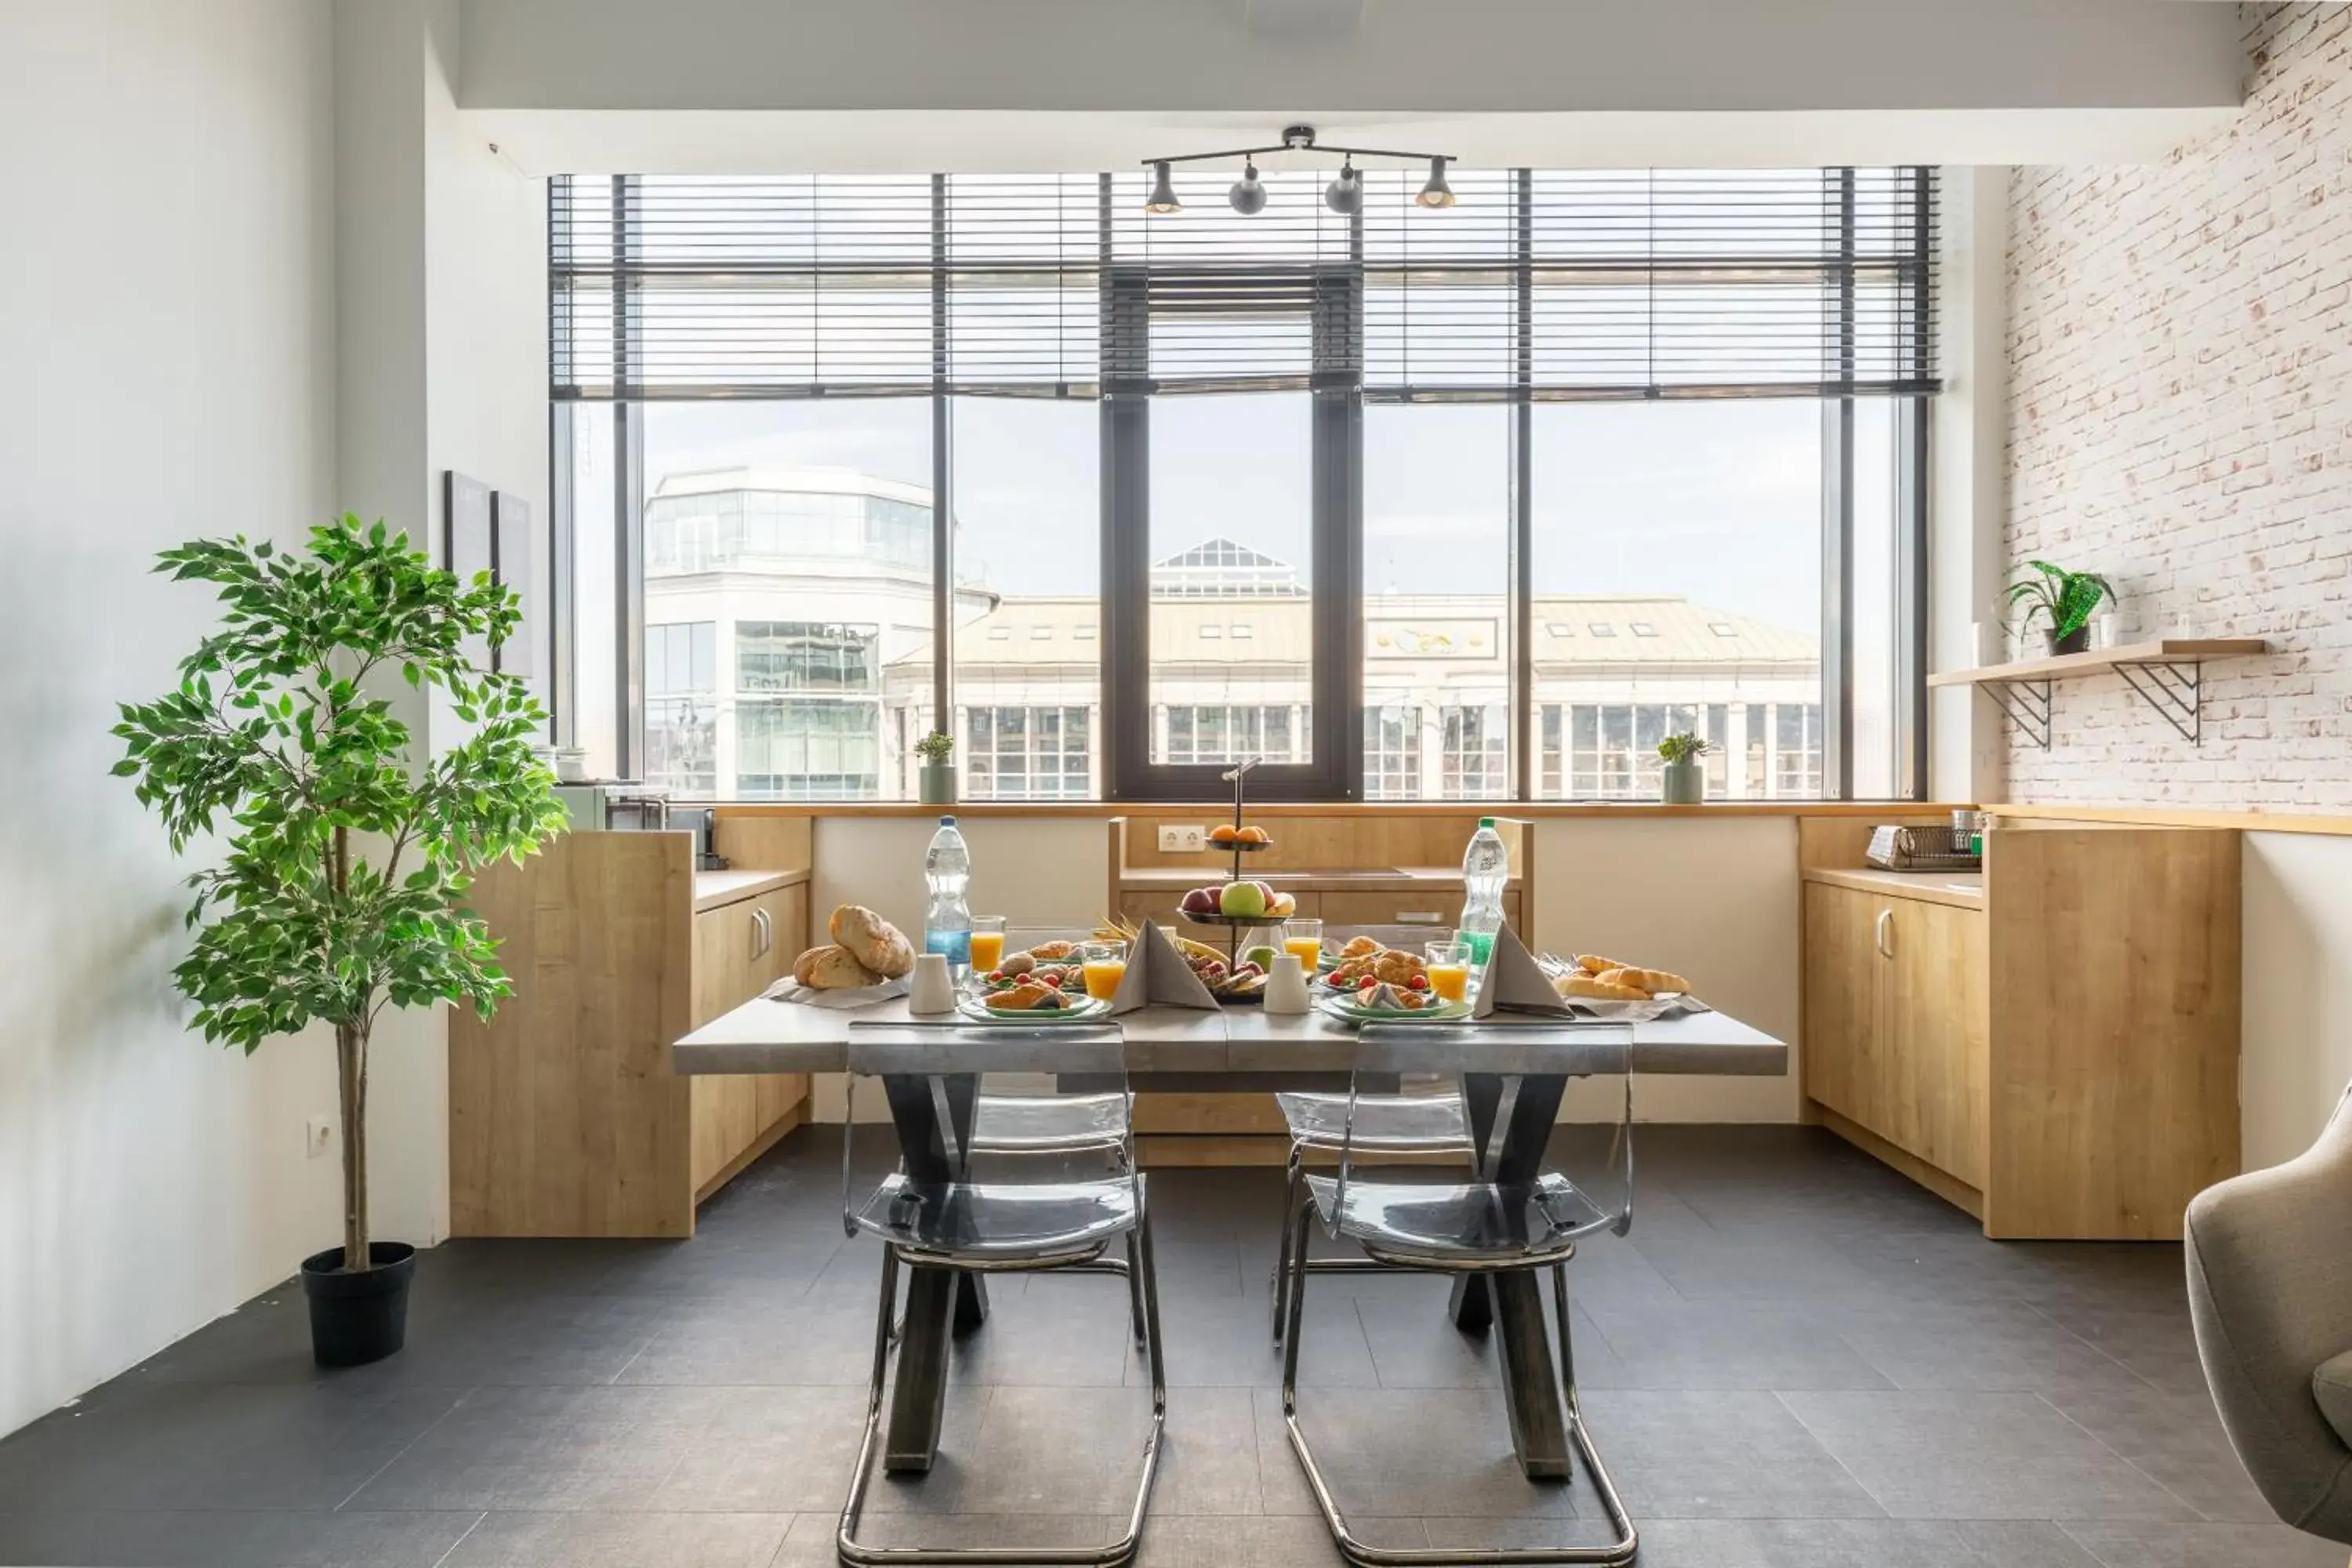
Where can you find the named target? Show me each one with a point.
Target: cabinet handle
(764, 935)
(1421, 917)
(1885, 933)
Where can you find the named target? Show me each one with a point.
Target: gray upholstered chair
(2270, 1291)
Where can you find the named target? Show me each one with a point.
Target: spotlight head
(1437, 192)
(1163, 198)
(1344, 194)
(1247, 196)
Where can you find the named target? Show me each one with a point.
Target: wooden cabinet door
(1933, 1056)
(1841, 1002)
(787, 909)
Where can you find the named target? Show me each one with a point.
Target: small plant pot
(1683, 783)
(356, 1318)
(2076, 641)
(938, 783)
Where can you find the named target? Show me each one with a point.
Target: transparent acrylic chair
(1515, 1217)
(933, 1213)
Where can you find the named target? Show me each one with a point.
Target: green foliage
(936, 747)
(1684, 747)
(348, 857)
(2067, 600)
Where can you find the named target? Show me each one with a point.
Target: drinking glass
(1104, 965)
(1305, 938)
(987, 942)
(1449, 964)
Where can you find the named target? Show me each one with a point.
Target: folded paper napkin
(1515, 981)
(791, 989)
(1650, 1011)
(1158, 977)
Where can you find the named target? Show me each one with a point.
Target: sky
(1719, 502)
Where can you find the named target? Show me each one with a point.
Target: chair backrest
(1508, 1054)
(931, 1072)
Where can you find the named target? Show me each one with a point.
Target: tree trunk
(351, 1077)
(350, 1071)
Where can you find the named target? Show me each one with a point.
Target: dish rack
(1922, 849)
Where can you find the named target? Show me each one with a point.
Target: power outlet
(318, 1136)
(1182, 841)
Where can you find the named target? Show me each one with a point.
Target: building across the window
(814, 589)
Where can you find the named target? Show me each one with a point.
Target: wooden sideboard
(2052, 1045)
(565, 1117)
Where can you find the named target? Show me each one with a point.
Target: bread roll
(1593, 963)
(873, 941)
(831, 968)
(1650, 980)
(1586, 986)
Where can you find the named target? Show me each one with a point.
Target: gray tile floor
(1798, 1357)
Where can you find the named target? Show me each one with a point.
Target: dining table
(1239, 1051)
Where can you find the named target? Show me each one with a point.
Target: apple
(1243, 900)
(1201, 902)
(1263, 957)
(1282, 906)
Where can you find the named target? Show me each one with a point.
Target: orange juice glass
(1104, 965)
(1305, 938)
(1449, 969)
(987, 942)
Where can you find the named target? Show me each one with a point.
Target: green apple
(1262, 956)
(1243, 900)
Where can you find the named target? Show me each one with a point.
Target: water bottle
(947, 923)
(1485, 868)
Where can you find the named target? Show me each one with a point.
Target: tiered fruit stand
(1235, 925)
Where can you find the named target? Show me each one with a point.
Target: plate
(1087, 1009)
(1348, 1012)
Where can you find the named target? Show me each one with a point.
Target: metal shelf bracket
(2027, 704)
(2176, 691)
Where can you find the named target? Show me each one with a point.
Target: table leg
(1471, 1307)
(1530, 1385)
(918, 1400)
(970, 1303)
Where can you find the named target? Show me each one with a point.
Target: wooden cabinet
(564, 1116)
(2056, 1049)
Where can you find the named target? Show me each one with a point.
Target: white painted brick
(2180, 419)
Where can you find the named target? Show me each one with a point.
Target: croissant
(1396, 966)
(1651, 980)
(1586, 987)
(1028, 994)
(1593, 963)
(1361, 947)
(1053, 951)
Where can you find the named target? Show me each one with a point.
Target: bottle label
(1482, 945)
(956, 944)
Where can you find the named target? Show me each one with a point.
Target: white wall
(2296, 1050)
(148, 1181)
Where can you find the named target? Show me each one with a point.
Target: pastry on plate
(1651, 982)
(1586, 987)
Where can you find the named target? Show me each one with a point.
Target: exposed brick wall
(2180, 417)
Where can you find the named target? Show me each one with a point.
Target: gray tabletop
(764, 1037)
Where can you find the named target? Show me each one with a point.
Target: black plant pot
(2076, 641)
(359, 1318)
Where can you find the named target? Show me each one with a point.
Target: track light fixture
(1437, 192)
(1344, 195)
(1247, 196)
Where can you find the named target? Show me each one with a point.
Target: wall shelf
(2168, 675)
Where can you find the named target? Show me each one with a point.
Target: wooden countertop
(1961, 890)
(1212, 870)
(716, 890)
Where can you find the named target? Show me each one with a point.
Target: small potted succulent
(1684, 782)
(2064, 600)
(938, 778)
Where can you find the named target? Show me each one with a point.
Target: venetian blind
(1549, 285)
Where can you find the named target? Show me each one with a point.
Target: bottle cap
(1486, 821)
(946, 822)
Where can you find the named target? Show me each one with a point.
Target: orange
(1224, 833)
(1253, 836)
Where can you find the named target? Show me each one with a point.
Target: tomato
(1054, 981)
(1417, 982)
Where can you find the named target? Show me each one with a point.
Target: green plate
(1088, 1009)
(1347, 1011)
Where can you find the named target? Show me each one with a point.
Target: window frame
(1126, 715)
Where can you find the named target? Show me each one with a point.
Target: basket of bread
(1603, 986)
(866, 954)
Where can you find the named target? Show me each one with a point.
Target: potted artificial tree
(1683, 782)
(348, 849)
(2064, 600)
(938, 777)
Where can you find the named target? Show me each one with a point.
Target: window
(1459, 503)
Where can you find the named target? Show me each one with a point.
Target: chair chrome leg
(1145, 1285)
(1364, 1554)
(1135, 1285)
(1292, 1181)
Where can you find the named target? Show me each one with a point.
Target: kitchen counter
(1961, 890)
(1376, 879)
(716, 890)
